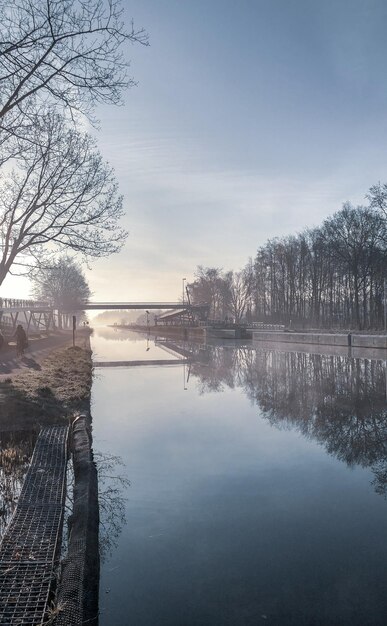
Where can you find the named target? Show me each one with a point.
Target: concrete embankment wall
(311, 338)
(369, 341)
(324, 339)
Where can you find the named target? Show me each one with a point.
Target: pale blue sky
(252, 118)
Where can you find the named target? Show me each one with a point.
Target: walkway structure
(29, 313)
(191, 311)
(30, 546)
(42, 316)
(104, 306)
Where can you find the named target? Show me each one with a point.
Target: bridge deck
(140, 305)
(31, 543)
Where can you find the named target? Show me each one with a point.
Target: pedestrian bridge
(43, 316)
(103, 306)
(11, 305)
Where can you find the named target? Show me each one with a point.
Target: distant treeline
(330, 276)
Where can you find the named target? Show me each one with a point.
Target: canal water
(245, 487)
(16, 448)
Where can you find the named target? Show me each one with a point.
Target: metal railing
(12, 303)
(264, 326)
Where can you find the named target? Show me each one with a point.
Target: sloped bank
(58, 392)
(76, 600)
(50, 392)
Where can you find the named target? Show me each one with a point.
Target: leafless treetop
(62, 194)
(63, 51)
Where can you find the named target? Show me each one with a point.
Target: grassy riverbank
(54, 391)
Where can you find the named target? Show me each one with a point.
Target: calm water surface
(16, 448)
(257, 486)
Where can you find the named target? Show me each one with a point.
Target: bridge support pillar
(14, 318)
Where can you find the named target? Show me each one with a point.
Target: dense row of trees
(330, 276)
(58, 58)
(227, 293)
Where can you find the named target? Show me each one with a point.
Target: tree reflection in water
(15, 453)
(111, 501)
(336, 400)
(112, 485)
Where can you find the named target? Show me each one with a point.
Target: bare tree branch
(60, 194)
(69, 51)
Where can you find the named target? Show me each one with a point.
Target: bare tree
(377, 197)
(211, 286)
(239, 295)
(353, 235)
(66, 52)
(58, 58)
(63, 285)
(60, 194)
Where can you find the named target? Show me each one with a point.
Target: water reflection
(112, 485)
(338, 401)
(117, 334)
(115, 344)
(233, 517)
(15, 454)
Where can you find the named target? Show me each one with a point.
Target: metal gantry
(30, 546)
(27, 312)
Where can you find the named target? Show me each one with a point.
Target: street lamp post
(184, 387)
(147, 319)
(184, 279)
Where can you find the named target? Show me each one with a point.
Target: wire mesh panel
(24, 593)
(46, 481)
(33, 534)
(31, 542)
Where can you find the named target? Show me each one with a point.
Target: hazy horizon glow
(251, 120)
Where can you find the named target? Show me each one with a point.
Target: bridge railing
(264, 326)
(12, 303)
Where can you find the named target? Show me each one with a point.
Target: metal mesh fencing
(30, 545)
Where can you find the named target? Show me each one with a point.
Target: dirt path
(38, 349)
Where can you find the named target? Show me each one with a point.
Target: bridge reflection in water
(140, 363)
(175, 348)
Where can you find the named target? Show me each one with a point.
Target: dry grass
(53, 611)
(53, 393)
